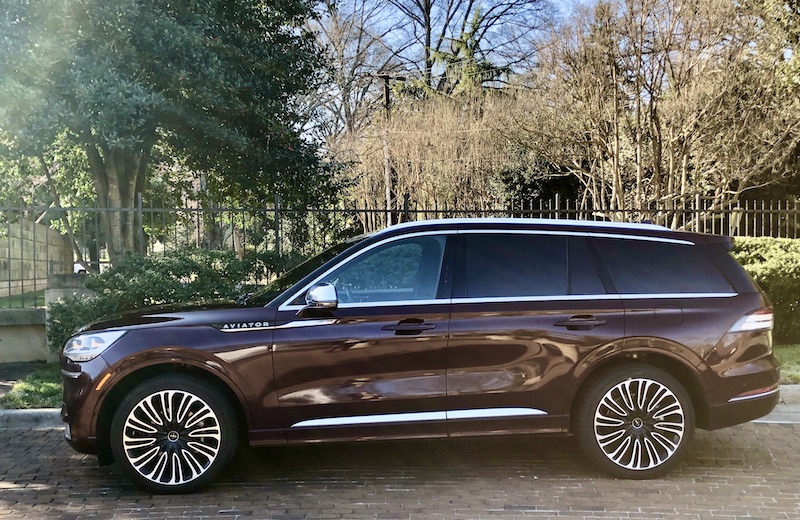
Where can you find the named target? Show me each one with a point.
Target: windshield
(291, 277)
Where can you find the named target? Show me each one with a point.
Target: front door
(375, 366)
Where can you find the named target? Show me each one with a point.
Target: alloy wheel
(171, 437)
(639, 424)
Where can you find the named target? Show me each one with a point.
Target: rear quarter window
(649, 267)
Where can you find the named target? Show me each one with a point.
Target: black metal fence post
(278, 225)
(140, 222)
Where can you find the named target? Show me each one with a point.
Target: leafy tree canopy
(213, 80)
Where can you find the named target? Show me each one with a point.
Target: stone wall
(23, 336)
(29, 252)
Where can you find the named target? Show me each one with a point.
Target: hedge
(775, 264)
(158, 279)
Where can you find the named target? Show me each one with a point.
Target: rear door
(527, 307)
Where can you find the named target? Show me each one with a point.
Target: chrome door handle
(409, 327)
(580, 322)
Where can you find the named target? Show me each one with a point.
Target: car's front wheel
(635, 421)
(173, 434)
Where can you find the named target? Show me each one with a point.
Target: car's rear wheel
(635, 421)
(173, 434)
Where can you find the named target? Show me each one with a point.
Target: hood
(191, 312)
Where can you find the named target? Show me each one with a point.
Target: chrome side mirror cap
(322, 296)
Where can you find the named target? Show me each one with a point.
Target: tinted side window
(734, 272)
(509, 265)
(645, 267)
(405, 269)
(582, 272)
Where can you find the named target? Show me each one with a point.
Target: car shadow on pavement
(751, 469)
(409, 461)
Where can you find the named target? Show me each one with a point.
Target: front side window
(402, 270)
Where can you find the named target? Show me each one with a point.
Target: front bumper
(86, 444)
(80, 402)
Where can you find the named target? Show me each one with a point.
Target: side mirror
(322, 296)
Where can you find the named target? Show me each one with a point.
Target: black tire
(173, 434)
(635, 421)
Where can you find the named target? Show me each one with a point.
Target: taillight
(762, 319)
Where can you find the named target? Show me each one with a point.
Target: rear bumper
(743, 408)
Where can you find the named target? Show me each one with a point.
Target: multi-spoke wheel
(635, 421)
(173, 434)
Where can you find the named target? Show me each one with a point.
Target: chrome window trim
(409, 417)
(583, 234)
(555, 232)
(578, 297)
(402, 303)
(674, 296)
(518, 299)
(285, 306)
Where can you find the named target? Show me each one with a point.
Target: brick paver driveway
(750, 471)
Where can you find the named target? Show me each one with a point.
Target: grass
(27, 300)
(42, 388)
(789, 358)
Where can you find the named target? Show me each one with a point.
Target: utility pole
(388, 171)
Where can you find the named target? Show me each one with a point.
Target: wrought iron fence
(39, 241)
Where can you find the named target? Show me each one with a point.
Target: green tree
(466, 67)
(214, 80)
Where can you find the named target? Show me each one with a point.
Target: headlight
(85, 347)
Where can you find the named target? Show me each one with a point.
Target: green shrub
(162, 278)
(171, 277)
(775, 264)
(66, 315)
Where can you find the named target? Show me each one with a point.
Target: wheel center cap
(637, 422)
(173, 436)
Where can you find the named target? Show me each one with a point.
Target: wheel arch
(677, 367)
(130, 380)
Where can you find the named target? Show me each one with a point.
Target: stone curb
(33, 419)
(787, 412)
(790, 394)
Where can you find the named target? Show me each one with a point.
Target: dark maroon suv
(626, 336)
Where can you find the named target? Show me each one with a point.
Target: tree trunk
(428, 21)
(62, 215)
(118, 175)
